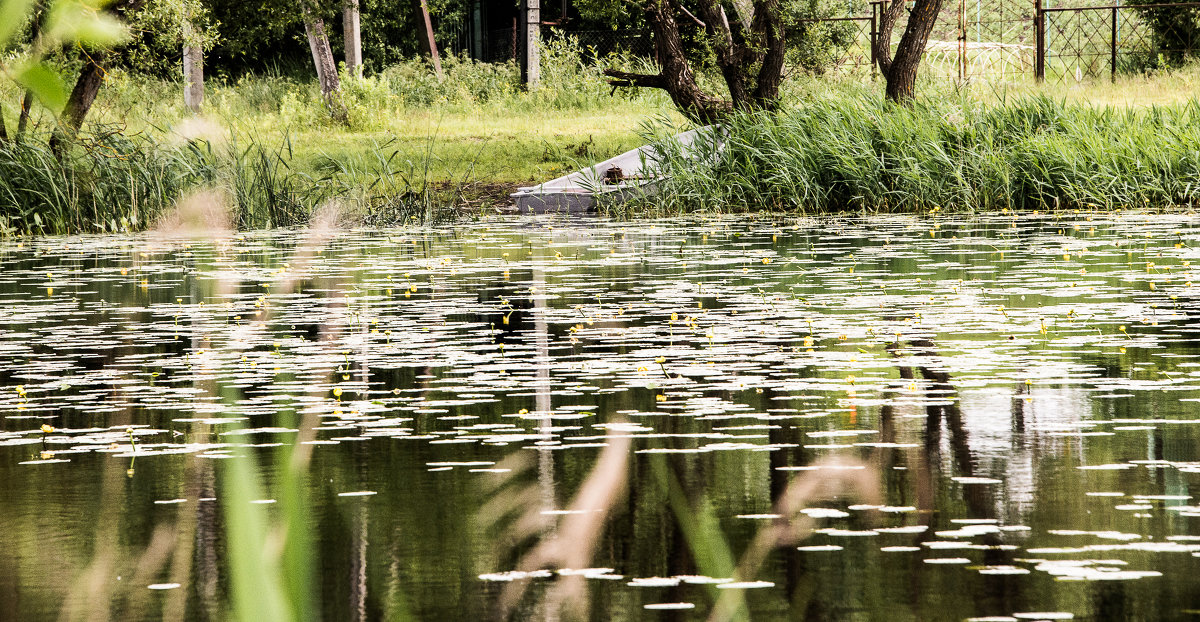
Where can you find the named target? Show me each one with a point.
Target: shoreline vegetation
(416, 149)
(861, 154)
(420, 150)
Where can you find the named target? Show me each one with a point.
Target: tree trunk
(39, 13)
(770, 73)
(749, 50)
(429, 43)
(193, 73)
(533, 43)
(3, 127)
(23, 120)
(318, 42)
(353, 37)
(676, 77)
(900, 72)
(81, 99)
(87, 86)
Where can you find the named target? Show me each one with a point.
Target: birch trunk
(193, 77)
(353, 36)
(533, 43)
(318, 42)
(193, 71)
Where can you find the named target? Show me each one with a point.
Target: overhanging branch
(625, 78)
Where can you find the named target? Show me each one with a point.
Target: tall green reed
(116, 182)
(110, 182)
(860, 153)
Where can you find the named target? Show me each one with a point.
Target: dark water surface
(864, 419)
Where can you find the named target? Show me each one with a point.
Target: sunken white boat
(635, 173)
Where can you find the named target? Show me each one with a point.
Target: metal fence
(1081, 42)
(1001, 39)
(972, 39)
(500, 45)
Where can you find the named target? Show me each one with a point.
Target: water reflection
(1023, 389)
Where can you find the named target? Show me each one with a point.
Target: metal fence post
(962, 41)
(533, 43)
(1113, 46)
(874, 37)
(1039, 68)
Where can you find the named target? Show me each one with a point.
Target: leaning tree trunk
(429, 42)
(351, 30)
(23, 120)
(318, 42)
(749, 48)
(87, 86)
(39, 13)
(900, 71)
(81, 99)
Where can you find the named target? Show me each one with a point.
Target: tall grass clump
(113, 182)
(861, 153)
(110, 182)
(266, 191)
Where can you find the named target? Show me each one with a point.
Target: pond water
(844, 419)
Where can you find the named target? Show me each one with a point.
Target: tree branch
(883, 37)
(625, 78)
(766, 88)
(694, 18)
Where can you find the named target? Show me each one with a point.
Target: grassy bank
(417, 146)
(857, 152)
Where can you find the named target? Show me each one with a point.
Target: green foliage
(615, 15)
(85, 22)
(568, 82)
(860, 153)
(413, 83)
(164, 27)
(1175, 34)
(246, 29)
(13, 15)
(45, 84)
(67, 21)
(816, 46)
(389, 33)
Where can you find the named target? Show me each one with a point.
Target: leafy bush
(1174, 35)
(817, 46)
